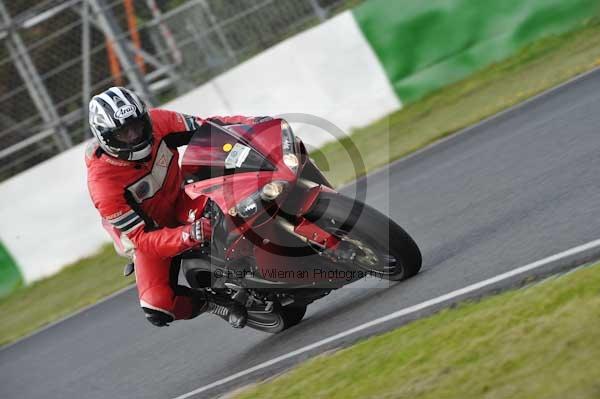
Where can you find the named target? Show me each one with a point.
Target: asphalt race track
(520, 187)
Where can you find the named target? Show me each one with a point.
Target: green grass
(538, 342)
(536, 68)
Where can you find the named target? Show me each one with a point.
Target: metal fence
(56, 54)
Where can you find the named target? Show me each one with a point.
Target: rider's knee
(157, 318)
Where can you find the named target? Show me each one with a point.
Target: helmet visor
(130, 134)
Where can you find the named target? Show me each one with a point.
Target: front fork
(315, 235)
(311, 232)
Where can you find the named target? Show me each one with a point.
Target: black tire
(277, 321)
(292, 315)
(346, 217)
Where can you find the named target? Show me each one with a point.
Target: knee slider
(157, 318)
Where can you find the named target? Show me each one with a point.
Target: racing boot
(229, 310)
(233, 312)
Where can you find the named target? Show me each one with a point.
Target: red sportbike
(282, 236)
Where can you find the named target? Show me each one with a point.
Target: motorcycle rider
(135, 182)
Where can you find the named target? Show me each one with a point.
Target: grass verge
(539, 342)
(538, 67)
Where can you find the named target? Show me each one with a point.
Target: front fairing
(211, 174)
(212, 168)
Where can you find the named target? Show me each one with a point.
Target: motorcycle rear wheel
(280, 319)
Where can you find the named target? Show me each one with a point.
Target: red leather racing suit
(145, 208)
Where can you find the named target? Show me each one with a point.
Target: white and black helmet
(119, 120)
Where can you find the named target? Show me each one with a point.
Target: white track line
(400, 313)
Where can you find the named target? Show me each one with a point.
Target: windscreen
(215, 151)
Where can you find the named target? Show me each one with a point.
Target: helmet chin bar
(133, 154)
(141, 154)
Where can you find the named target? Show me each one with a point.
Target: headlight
(288, 145)
(287, 138)
(291, 161)
(249, 206)
(271, 191)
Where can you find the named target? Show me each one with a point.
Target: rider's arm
(164, 242)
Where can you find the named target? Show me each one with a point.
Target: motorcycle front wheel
(369, 241)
